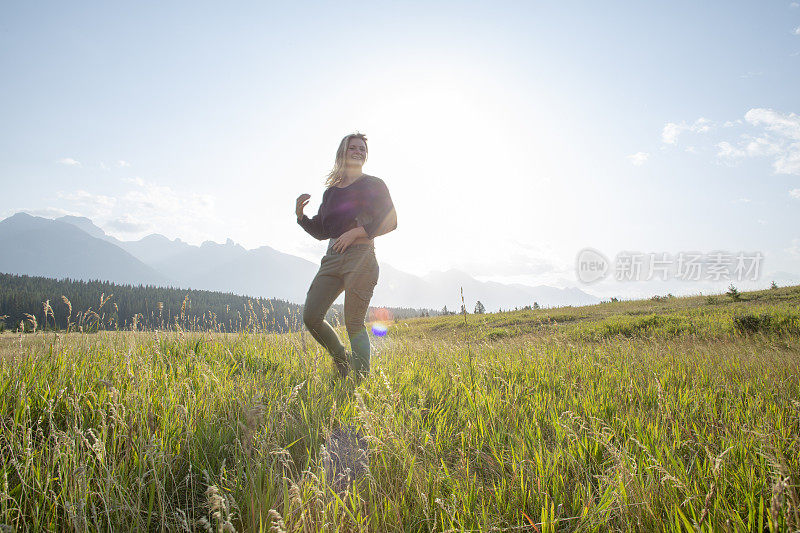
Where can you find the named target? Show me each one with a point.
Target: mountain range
(76, 248)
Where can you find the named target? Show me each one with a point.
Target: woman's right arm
(313, 226)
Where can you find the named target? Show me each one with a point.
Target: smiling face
(356, 153)
(351, 154)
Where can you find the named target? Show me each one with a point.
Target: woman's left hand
(347, 238)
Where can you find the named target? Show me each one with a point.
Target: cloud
(795, 193)
(671, 131)
(147, 207)
(159, 199)
(68, 161)
(777, 136)
(136, 181)
(88, 204)
(638, 159)
(787, 125)
(702, 125)
(727, 150)
(751, 74)
(742, 201)
(150, 207)
(117, 164)
(127, 224)
(797, 30)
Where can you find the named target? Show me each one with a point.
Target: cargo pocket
(363, 294)
(363, 274)
(374, 269)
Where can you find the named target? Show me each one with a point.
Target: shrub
(734, 293)
(749, 324)
(642, 326)
(658, 298)
(780, 323)
(497, 333)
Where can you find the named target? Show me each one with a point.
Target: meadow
(668, 414)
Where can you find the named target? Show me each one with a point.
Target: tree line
(32, 302)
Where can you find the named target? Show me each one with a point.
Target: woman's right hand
(302, 200)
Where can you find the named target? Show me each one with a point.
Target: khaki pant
(355, 271)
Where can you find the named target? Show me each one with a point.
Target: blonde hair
(337, 174)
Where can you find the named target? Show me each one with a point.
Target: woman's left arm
(384, 216)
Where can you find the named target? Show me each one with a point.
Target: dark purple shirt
(365, 202)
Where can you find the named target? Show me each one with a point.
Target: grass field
(671, 414)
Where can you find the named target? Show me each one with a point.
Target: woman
(355, 209)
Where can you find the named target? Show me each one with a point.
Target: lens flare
(379, 329)
(381, 314)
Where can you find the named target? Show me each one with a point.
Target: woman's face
(356, 152)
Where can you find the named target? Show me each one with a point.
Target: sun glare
(381, 317)
(379, 329)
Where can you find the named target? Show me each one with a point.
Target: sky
(511, 135)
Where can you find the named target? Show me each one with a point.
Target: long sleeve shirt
(365, 202)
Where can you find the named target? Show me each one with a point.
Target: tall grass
(629, 416)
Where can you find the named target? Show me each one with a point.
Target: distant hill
(262, 272)
(41, 247)
(88, 226)
(228, 267)
(155, 249)
(767, 311)
(441, 286)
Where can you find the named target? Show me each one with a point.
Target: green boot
(359, 362)
(342, 364)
